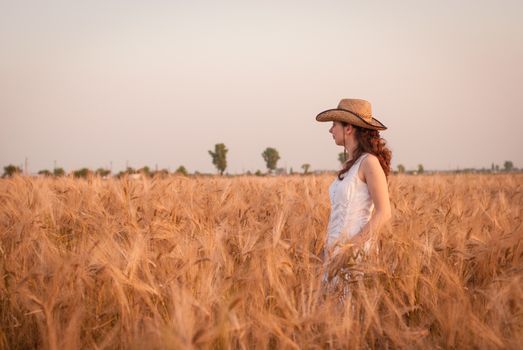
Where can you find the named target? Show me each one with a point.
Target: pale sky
(87, 83)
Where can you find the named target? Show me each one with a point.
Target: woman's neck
(351, 149)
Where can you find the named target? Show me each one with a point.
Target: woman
(359, 195)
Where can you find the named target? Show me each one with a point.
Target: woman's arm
(372, 173)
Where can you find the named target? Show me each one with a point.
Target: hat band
(356, 115)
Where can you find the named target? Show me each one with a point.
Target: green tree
(401, 168)
(102, 172)
(508, 165)
(421, 170)
(305, 168)
(181, 170)
(219, 157)
(58, 172)
(45, 172)
(341, 157)
(81, 173)
(11, 170)
(271, 157)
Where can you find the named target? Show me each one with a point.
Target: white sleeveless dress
(351, 205)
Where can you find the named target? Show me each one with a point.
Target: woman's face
(337, 130)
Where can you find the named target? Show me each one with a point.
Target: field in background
(234, 263)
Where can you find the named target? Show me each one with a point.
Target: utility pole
(26, 170)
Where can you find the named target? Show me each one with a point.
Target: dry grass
(234, 263)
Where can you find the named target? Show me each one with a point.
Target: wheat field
(235, 262)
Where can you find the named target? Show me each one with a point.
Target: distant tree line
(12, 170)
(270, 155)
(508, 166)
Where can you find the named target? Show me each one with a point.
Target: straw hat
(353, 111)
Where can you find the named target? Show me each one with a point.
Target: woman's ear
(349, 130)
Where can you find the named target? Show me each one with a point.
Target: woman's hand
(359, 240)
(339, 257)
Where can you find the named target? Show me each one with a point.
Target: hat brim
(342, 115)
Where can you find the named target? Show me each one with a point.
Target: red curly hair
(369, 141)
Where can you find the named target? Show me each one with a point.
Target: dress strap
(361, 158)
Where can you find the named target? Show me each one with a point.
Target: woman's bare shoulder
(370, 159)
(369, 164)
